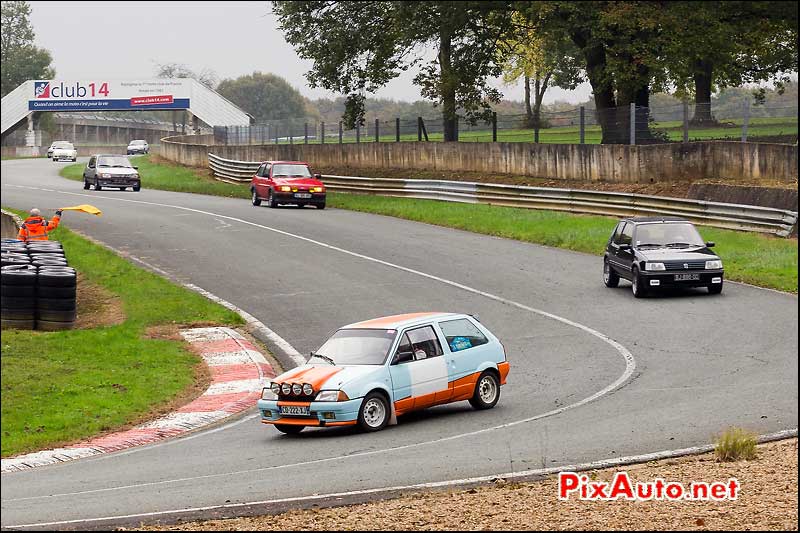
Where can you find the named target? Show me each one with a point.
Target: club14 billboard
(100, 95)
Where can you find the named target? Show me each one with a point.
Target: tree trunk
(604, 100)
(448, 86)
(528, 110)
(703, 78)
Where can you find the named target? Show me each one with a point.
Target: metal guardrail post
(746, 121)
(419, 129)
(685, 121)
(305, 135)
(358, 133)
(583, 125)
(341, 133)
(494, 127)
(397, 130)
(633, 123)
(377, 131)
(322, 133)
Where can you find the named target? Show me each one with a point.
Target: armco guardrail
(720, 215)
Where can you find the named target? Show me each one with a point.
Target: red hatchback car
(287, 182)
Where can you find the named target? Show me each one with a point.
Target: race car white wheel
(374, 412)
(271, 199)
(487, 391)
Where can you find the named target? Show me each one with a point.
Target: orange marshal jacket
(37, 228)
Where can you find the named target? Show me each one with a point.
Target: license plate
(294, 410)
(687, 277)
(302, 195)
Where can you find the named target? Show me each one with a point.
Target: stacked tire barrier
(39, 288)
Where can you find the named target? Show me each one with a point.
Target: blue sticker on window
(460, 343)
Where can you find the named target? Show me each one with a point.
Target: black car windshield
(113, 161)
(670, 234)
(290, 171)
(358, 346)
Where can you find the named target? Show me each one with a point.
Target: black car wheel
(137, 188)
(271, 200)
(321, 206)
(610, 277)
(487, 391)
(715, 289)
(86, 184)
(254, 199)
(97, 186)
(289, 429)
(638, 284)
(374, 412)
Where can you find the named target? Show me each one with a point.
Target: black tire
(18, 291)
(51, 325)
(321, 206)
(97, 186)
(19, 275)
(56, 316)
(137, 188)
(301, 206)
(19, 302)
(289, 429)
(48, 263)
(637, 284)
(86, 185)
(17, 314)
(17, 324)
(610, 277)
(56, 292)
(374, 413)
(254, 199)
(57, 278)
(715, 289)
(487, 391)
(9, 262)
(56, 304)
(271, 200)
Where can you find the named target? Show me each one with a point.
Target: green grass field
(758, 127)
(752, 258)
(63, 386)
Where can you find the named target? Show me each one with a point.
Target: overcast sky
(125, 40)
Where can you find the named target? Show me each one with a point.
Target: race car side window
(260, 172)
(462, 334)
(424, 343)
(627, 234)
(92, 162)
(617, 232)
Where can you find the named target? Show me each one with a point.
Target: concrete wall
(610, 163)
(10, 225)
(776, 197)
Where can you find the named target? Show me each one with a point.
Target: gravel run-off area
(767, 501)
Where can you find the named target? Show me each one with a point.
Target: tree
(178, 70)
(358, 47)
(621, 48)
(264, 96)
(727, 44)
(545, 59)
(21, 60)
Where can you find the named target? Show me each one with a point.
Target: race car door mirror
(402, 357)
(317, 176)
(710, 244)
(624, 246)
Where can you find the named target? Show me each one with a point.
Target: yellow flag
(86, 208)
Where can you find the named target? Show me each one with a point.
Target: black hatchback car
(660, 252)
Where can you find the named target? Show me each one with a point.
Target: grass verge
(63, 386)
(735, 444)
(748, 257)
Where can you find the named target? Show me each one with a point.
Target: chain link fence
(580, 125)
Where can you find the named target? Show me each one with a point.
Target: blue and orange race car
(369, 373)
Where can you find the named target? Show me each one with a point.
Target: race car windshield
(358, 346)
(678, 235)
(65, 146)
(113, 161)
(291, 171)
(138, 143)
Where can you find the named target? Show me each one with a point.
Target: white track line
(596, 465)
(630, 362)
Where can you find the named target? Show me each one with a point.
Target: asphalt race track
(699, 363)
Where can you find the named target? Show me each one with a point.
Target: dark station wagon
(660, 252)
